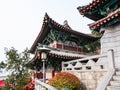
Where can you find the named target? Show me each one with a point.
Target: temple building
(65, 44)
(96, 72)
(61, 36)
(106, 17)
(106, 14)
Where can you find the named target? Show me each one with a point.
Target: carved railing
(93, 63)
(85, 64)
(106, 79)
(111, 71)
(43, 86)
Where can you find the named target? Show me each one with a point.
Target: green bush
(65, 80)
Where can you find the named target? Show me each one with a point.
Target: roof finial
(46, 17)
(65, 24)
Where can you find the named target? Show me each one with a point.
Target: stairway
(115, 82)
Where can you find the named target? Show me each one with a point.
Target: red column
(62, 46)
(53, 73)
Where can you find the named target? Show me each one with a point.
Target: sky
(21, 20)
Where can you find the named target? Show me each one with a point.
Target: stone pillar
(111, 40)
(111, 63)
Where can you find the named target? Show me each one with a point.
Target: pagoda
(65, 44)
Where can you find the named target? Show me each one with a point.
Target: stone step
(118, 73)
(113, 88)
(115, 83)
(116, 78)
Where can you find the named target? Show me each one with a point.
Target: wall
(90, 79)
(111, 40)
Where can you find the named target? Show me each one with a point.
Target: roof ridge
(50, 20)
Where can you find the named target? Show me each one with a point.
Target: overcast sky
(21, 20)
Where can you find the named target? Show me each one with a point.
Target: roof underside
(111, 19)
(98, 9)
(92, 16)
(61, 54)
(56, 57)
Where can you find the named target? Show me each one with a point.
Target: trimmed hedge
(65, 80)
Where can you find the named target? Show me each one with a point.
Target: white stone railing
(91, 64)
(111, 71)
(105, 80)
(43, 86)
(85, 64)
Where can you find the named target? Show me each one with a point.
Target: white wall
(111, 40)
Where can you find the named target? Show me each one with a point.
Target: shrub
(65, 80)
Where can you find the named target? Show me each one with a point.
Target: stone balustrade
(92, 72)
(85, 64)
(43, 86)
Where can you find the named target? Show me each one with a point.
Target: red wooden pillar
(39, 75)
(62, 46)
(53, 73)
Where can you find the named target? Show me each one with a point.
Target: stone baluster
(111, 62)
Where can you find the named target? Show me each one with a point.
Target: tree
(16, 64)
(2, 65)
(92, 47)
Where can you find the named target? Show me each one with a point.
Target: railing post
(111, 62)
(111, 70)
(62, 65)
(43, 86)
(37, 86)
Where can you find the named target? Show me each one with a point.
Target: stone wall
(90, 79)
(111, 40)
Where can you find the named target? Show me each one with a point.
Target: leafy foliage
(92, 47)
(2, 65)
(16, 64)
(65, 80)
(96, 33)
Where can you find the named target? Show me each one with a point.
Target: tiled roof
(110, 17)
(61, 54)
(62, 27)
(49, 22)
(94, 4)
(66, 54)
